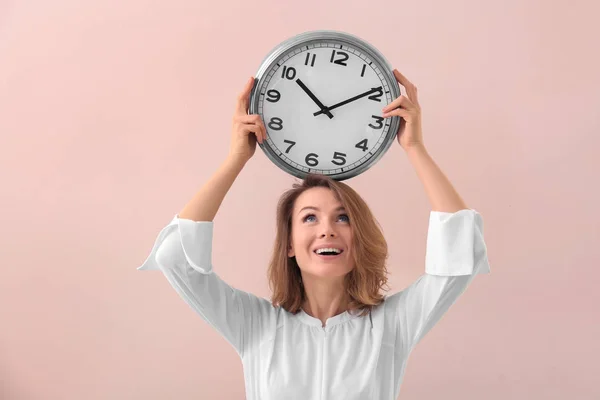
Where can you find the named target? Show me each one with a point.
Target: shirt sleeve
(183, 252)
(455, 253)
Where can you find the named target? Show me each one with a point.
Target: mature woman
(327, 332)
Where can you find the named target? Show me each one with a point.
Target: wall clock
(320, 95)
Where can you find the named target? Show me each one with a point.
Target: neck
(325, 298)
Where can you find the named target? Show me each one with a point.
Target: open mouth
(328, 254)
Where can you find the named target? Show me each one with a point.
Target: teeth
(319, 251)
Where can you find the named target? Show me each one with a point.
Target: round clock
(320, 95)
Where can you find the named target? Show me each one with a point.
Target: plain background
(113, 114)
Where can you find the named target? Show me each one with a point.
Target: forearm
(206, 202)
(442, 195)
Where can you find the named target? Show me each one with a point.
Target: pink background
(113, 114)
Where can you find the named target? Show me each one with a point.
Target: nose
(328, 231)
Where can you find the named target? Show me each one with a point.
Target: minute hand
(368, 92)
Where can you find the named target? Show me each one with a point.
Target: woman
(327, 332)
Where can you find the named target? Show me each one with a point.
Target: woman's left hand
(409, 133)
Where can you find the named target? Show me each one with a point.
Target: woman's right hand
(246, 129)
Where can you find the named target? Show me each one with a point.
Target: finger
(411, 89)
(398, 112)
(254, 120)
(261, 134)
(255, 129)
(249, 119)
(401, 101)
(244, 97)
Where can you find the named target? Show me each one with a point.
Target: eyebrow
(340, 208)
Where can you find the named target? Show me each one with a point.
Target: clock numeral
(312, 63)
(273, 96)
(362, 73)
(276, 123)
(291, 143)
(311, 159)
(339, 156)
(288, 72)
(342, 60)
(377, 96)
(379, 122)
(362, 145)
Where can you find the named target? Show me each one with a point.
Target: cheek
(299, 244)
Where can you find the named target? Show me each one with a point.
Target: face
(318, 221)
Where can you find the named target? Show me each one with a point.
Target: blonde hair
(370, 250)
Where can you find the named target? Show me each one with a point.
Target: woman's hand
(409, 133)
(246, 129)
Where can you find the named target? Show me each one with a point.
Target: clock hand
(368, 92)
(324, 110)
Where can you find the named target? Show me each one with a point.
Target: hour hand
(368, 92)
(324, 110)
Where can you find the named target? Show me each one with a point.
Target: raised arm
(246, 130)
(456, 253)
(207, 201)
(183, 248)
(456, 250)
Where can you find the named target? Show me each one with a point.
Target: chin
(324, 268)
(327, 270)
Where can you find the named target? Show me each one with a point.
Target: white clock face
(321, 103)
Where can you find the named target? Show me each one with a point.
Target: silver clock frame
(308, 38)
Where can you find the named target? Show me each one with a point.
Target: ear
(290, 251)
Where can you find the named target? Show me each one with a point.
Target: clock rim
(352, 40)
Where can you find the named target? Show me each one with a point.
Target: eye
(312, 215)
(306, 216)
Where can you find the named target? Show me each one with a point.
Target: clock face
(321, 103)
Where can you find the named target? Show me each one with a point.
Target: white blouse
(287, 356)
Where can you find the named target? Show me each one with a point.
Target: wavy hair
(370, 250)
